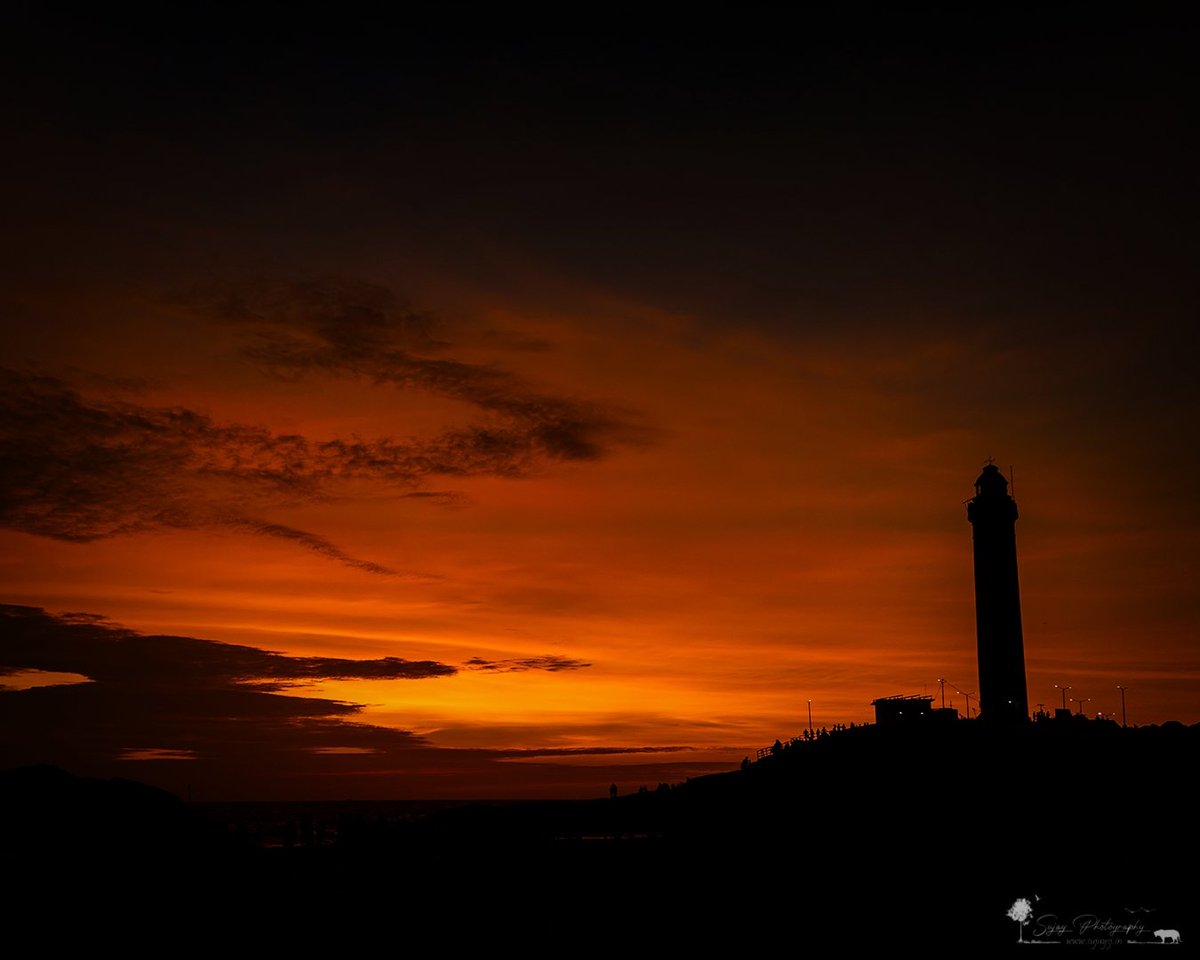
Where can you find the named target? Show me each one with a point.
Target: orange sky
(772, 511)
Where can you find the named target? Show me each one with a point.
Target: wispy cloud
(346, 328)
(534, 752)
(80, 467)
(305, 539)
(550, 662)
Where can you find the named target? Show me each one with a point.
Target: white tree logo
(1020, 911)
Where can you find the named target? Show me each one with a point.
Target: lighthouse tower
(993, 514)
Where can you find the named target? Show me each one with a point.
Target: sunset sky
(499, 409)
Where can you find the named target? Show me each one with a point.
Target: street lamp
(1122, 689)
(967, 697)
(1064, 694)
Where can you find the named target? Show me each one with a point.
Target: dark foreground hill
(917, 836)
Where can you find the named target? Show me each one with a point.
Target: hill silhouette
(51, 813)
(925, 834)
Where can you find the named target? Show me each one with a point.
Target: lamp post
(810, 719)
(942, 681)
(1122, 689)
(1064, 694)
(966, 696)
(1081, 703)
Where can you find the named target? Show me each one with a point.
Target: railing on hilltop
(781, 745)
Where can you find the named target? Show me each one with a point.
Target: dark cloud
(154, 697)
(551, 662)
(183, 712)
(107, 653)
(80, 468)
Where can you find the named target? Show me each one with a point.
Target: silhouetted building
(993, 514)
(901, 709)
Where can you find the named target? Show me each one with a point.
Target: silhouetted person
(612, 791)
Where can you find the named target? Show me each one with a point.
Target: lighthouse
(993, 515)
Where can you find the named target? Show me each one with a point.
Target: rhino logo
(1167, 936)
